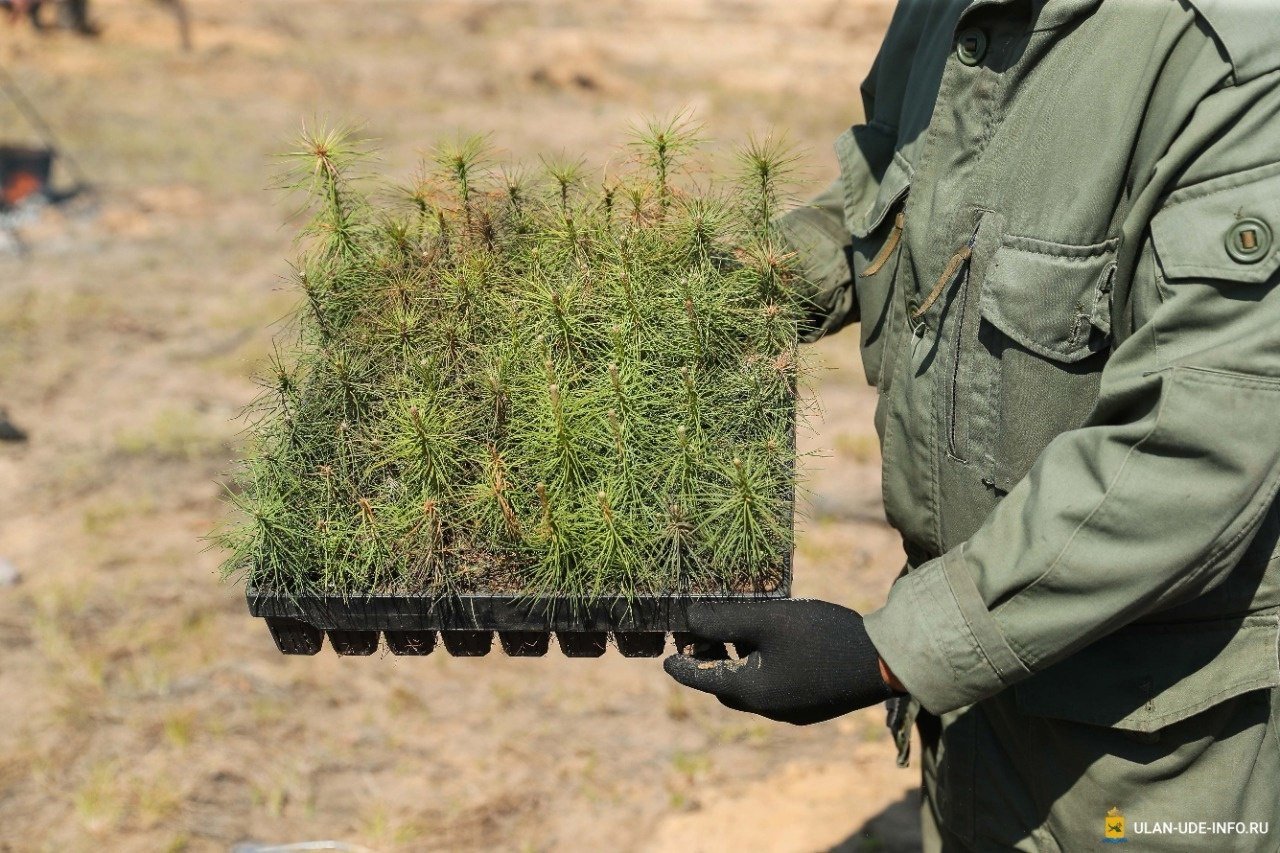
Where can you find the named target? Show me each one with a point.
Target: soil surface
(143, 708)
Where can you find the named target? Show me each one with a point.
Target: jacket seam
(1254, 683)
(973, 635)
(1196, 569)
(1111, 487)
(1233, 181)
(1092, 251)
(1245, 529)
(1231, 377)
(934, 640)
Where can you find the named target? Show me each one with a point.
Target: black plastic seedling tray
(465, 625)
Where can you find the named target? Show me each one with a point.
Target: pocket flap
(1052, 298)
(874, 175)
(1145, 677)
(1207, 230)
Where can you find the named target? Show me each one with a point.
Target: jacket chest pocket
(876, 182)
(1036, 355)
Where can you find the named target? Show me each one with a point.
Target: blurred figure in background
(71, 14)
(19, 8)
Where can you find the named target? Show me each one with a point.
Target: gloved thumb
(720, 678)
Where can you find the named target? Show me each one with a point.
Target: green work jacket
(1059, 232)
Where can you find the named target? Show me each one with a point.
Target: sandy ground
(142, 708)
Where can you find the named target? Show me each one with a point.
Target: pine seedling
(422, 442)
(349, 378)
(691, 399)
(626, 473)
(421, 534)
(682, 477)
(267, 546)
(555, 304)
(555, 542)
(495, 374)
(608, 199)
(320, 166)
(700, 228)
(567, 176)
(764, 164)
(370, 550)
(741, 529)
(662, 145)
(281, 388)
(463, 164)
(611, 549)
(492, 503)
(418, 195)
(515, 188)
(558, 448)
(638, 197)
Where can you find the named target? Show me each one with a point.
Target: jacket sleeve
(1153, 501)
(817, 234)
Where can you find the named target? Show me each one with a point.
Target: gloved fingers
(734, 704)
(691, 645)
(801, 718)
(731, 621)
(728, 680)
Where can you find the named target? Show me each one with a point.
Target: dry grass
(143, 709)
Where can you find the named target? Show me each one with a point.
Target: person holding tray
(1058, 230)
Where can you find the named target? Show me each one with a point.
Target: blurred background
(142, 708)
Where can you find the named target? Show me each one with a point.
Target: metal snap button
(971, 45)
(1249, 241)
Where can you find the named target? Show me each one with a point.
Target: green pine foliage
(535, 383)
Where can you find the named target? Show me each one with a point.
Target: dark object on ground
(26, 170)
(803, 661)
(37, 162)
(24, 174)
(9, 432)
(466, 623)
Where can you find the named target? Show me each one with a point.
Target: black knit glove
(802, 661)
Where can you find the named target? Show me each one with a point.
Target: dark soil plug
(411, 642)
(641, 644)
(467, 644)
(354, 642)
(294, 637)
(582, 644)
(525, 644)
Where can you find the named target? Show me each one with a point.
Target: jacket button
(971, 45)
(1249, 241)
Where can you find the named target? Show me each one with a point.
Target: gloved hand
(802, 661)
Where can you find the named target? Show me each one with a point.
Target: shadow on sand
(894, 830)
